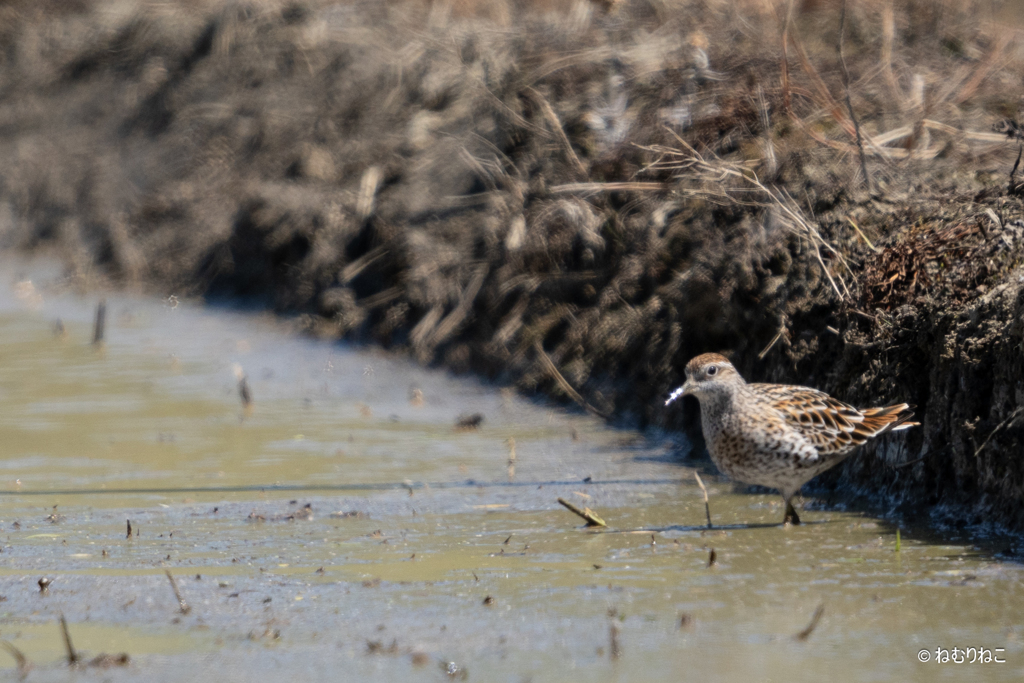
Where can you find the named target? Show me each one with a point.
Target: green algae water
(345, 526)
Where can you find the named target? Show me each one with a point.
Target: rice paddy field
(389, 288)
(345, 521)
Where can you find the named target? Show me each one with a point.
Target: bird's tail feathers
(889, 419)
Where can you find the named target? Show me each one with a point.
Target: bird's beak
(687, 389)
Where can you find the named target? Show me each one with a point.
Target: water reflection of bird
(777, 435)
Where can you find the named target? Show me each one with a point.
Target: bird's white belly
(774, 457)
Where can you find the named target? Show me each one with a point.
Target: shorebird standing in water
(778, 435)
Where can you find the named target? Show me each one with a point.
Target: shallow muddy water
(345, 528)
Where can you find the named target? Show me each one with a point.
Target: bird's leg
(791, 516)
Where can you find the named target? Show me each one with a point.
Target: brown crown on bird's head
(706, 373)
(705, 362)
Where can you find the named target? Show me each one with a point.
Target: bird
(778, 435)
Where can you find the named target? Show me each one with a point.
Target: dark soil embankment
(571, 201)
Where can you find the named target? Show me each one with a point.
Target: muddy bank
(565, 198)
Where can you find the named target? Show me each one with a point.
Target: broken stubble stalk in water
(101, 322)
(614, 649)
(585, 513)
(72, 655)
(244, 392)
(707, 507)
(511, 458)
(806, 633)
(19, 657)
(183, 606)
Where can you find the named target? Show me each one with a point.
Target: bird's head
(708, 375)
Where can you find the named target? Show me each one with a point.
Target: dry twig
(864, 237)
(451, 322)
(888, 39)
(774, 341)
(19, 657)
(595, 188)
(849, 103)
(1002, 425)
(707, 506)
(511, 458)
(806, 633)
(585, 513)
(614, 649)
(549, 365)
(556, 128)
(183, 606)
(101, 322)
(73, 657)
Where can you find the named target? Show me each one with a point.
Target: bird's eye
(712, 370)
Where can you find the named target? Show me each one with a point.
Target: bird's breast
(746, 444)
